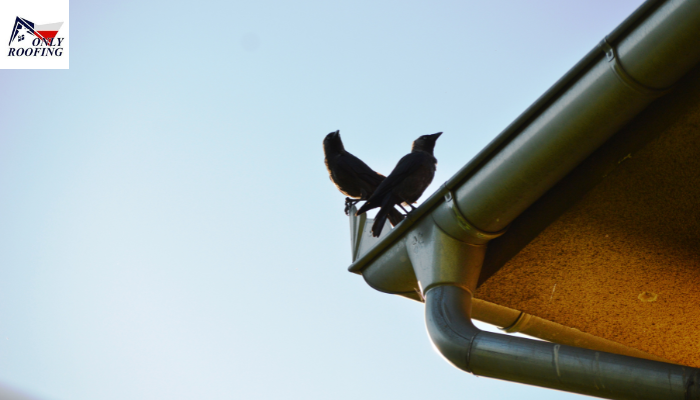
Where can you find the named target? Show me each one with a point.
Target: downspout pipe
(448, 269)
(550, 365)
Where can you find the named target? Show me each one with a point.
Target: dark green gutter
(682, 56)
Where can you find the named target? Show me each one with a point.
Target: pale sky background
(167, 226)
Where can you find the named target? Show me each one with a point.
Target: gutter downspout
(550, 365)
(448, 270)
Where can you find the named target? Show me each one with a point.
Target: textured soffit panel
(623, 262)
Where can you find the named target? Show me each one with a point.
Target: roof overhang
(616, 130)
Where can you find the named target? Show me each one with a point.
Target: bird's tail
(395, 216)
(379, 222)
(365, 207)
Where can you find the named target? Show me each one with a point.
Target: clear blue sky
(167, 226)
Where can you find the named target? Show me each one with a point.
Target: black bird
(351, 176)
(406, 183)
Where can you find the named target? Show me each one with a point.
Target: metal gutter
(575, 116)
(436, 254)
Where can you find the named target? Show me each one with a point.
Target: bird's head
(333, 143)
(426, 143)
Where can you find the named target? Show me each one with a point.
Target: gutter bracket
(453, 222)
(518, 325)
(624, 77)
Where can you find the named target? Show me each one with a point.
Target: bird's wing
(359, 169)
(404, 168)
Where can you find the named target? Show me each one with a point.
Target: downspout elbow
(448, 319)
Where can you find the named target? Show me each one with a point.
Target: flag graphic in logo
(23, 29)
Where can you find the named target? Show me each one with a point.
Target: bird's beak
(436, 135)
(332, 135)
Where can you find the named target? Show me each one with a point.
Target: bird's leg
(364, 196)
(407, 203)
(349, 203)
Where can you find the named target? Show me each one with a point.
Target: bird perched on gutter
(406, 183)
(351, 176)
